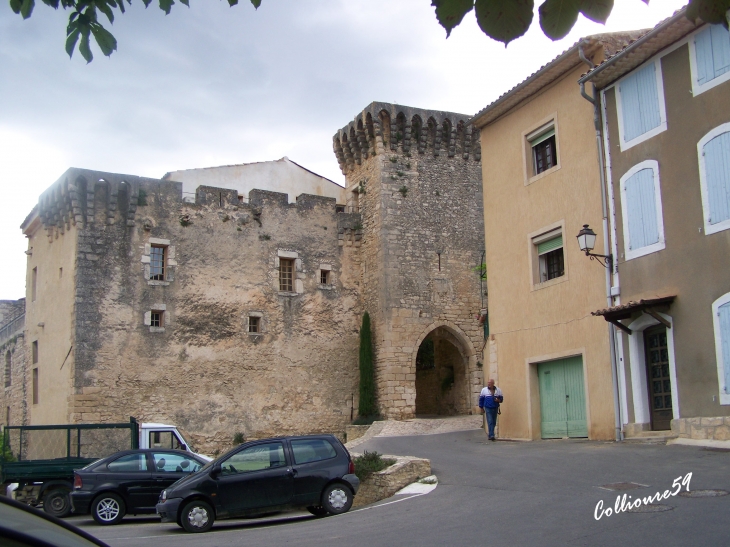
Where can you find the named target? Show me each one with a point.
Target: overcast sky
(214, 85)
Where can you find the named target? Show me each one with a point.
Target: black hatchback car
(129, 482)
(314, 472)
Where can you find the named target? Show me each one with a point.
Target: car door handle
(291, 472)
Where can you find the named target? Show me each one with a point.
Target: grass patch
(369, 463)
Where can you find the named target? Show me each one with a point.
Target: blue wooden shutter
(712, 47)
(717, 170)
(641, 209)
(723, 313)
(640, 102)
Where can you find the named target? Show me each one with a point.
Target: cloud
(214, 85)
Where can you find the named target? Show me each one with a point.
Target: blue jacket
(487, 400)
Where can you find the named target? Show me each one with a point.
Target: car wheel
(197, 516)
(317, 510)
(108, 509)
(337, 499)
(57, 503)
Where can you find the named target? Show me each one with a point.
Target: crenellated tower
(414, 175)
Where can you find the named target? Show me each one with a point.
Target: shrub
(366, 406)
(369, 463)
(239, 438)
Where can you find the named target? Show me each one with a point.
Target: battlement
(387, 128)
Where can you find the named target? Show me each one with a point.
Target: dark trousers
(491, 420)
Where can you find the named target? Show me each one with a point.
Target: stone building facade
(415, 177)
(228, 315)
(15, 387)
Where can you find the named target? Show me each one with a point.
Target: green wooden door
(562, 398)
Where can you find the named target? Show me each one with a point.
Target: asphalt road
(495, 493)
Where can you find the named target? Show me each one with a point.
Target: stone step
(651, 437)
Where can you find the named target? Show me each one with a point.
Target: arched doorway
(441, 375)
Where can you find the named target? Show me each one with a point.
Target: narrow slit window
(34, 351)
(286, 275)
(35, 386)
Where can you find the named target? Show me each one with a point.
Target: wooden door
(657, 374)
(562, 399)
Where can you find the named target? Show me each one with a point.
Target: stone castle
(233, 313)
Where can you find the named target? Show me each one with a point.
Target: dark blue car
(314, 472)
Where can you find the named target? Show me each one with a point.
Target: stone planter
(385, 483)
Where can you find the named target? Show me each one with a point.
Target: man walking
(489, 400)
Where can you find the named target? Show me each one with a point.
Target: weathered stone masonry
(212, 344)
(415, 176)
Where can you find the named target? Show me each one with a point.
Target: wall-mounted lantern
(587, 241)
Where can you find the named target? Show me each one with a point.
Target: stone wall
(415, 177)
(714, 428)
(202, 369)
(15, 385)
(383, 484)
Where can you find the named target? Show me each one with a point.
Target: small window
(640, 99)
(714, 157)
(550, 257)
(255, 458)
(8, 368)
(544, 154)
(286, 275)
(339, 208)
(710, 59)
(254, 324)
(34, 351)
(60, 273)
(157, 319)
(642, 210)
(130, 463)
(157, 262)
(324, 277)
(35, 386)
(312, 450)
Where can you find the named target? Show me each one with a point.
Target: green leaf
(104, 39)
(186, 2)
(596, 10)
(15, 5)
(71, 40)
(232, 3)
(84, 48)
(166, 5)
(451, 12)
(106, 10)
(52, 3)
(147, 3)
(256, 3)
(504, 20)
(27, 8)
(710, 11)
(557, 17)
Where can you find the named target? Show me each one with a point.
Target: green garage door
(562, 399)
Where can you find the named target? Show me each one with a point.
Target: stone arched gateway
(444, 360)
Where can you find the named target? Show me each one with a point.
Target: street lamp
(587, 241)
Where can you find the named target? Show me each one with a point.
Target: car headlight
(163, 496)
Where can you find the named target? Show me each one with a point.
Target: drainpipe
(609, 299)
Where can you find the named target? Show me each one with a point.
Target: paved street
(540, 493)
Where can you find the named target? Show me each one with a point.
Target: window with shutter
(710, 58)
(714, 160)
(642, 210)
(640, 100)
(550, 259)
(721, 319)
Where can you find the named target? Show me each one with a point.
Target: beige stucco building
(541, 181)
(666, 126)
